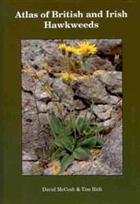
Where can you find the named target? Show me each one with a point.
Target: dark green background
(18, 189)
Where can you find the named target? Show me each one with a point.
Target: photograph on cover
(71, 107)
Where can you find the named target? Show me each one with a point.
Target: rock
(107, 46)
(103, 112)
(112, 80)
(41, 93)
(79, 105)
(119, 105)
(43, 117)
(113, 100)
(31, 133)
(86, 113)
(33, 54)
(98, 63)
(89, 168)
(42, 107)
(56, 108)
(29, 120)
(28, 83)
(108, 124)
(95, 89)
(31, 168)
(26, 167)
(28, 103)
(63, 91)
(26, 156)
(112, 150)
(52, 58)
(37, 52)
(31, 136)
(47, 172)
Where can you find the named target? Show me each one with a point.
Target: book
(69, 102)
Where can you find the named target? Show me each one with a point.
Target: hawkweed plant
(74, 137)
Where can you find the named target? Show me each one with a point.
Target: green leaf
(88, 142)
(98, 128)
(99, 143)
(58, 143)
(67, 130)
(56, 125)
(89, 133)
(66, 143)
(58, 154)
(66, 162)
(82, 125)
(81, 154)
(59, 128)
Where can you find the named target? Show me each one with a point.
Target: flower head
(62, 46)
(85, 48)
(72, 50)
(69, 49)
(68, 77)
(56, 167)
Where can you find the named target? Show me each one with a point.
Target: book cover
(69, 102)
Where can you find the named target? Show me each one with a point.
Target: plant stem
(86, 65)
(72, 108)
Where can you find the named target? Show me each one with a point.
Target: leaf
(89, 133)
(81, 154)
(98, 128)
(99, 143)
(66, 143)
(88, 142)
(58, 143)
(58, 153)
(82, 125)
(67, 130)
(56, 125)
(59, 128)
(79, 124)
(66, 161)
(69, 143)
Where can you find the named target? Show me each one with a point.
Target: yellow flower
(69, 49)
(56, 168)
(85, 48)
(68, 77)
(62, 46)
(72, 50)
